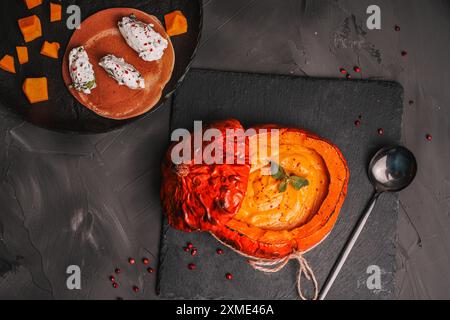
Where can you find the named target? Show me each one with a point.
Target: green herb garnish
(90, 84)
(279, 173)
(83, 86)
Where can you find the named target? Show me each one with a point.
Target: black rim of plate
(114, 124)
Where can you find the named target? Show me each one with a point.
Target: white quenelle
(141, 37)
(81, 71)
(123, 72)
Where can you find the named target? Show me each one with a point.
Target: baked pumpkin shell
(244, 208)
(272, 233)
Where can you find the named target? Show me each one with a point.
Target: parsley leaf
(283, 186)
(298, 182)
(279, 173)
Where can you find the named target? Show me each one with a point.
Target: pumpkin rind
(202, 196)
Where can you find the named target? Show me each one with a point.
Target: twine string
(272, 266)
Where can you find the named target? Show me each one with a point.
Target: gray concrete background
(304, 38)
(89, 200)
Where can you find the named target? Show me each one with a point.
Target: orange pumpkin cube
(55, 12)
(36, 89)
(22, 54)
(30, 27)
(176, 23)
(50, 49)
(7, 63)
(33, 3)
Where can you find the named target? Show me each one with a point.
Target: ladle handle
(348, 246)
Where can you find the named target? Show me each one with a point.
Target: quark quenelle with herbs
(81, 71)
(123, 72)
(142, 38)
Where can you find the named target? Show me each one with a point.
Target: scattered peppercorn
(343, 71)
(150, 270)
(145, 261)
(194, 252)
(115, 285)
(381, 131)
(131, 261)
(192, 266)
(357, 69)
(397, 28)
(429, 137)
(136, 289)
(219, 251)
(229, 276)
(117, 271)
(404, 53)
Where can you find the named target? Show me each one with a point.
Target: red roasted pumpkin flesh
(202, 196)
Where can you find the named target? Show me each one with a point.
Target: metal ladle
(391, 169)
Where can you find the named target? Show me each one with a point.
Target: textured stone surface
(328, 108)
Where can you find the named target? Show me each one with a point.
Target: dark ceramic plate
(62, 112)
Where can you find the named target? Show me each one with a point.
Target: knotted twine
(272, 266)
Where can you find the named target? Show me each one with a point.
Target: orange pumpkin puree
(272, 223)
(264, 206)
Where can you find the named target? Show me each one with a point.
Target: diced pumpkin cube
(33, 3)
(7, 63)
(22, 54)
(55, 12)
(176, 23)
(50, 49)
(36, 89)
(30, 27)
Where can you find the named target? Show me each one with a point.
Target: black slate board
(328, 108)
(62, 112)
